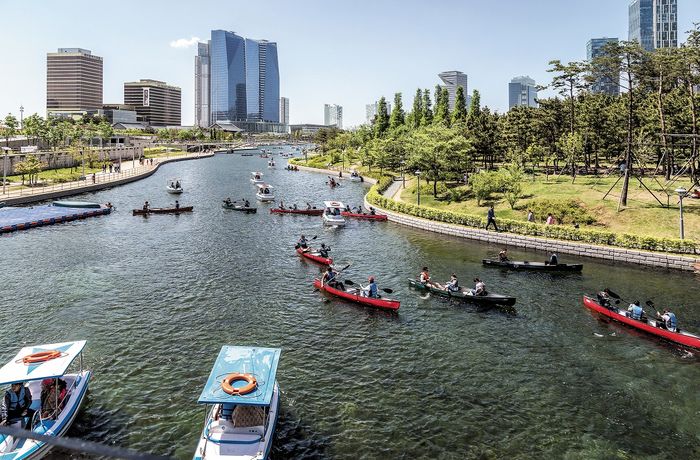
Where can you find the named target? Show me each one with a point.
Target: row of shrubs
(622, 240)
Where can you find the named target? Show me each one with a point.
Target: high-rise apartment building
(452, 79)
(202, 109)
(333, 115)
(73, 82)
(603, 84)
(372, 109)
(284, 110)
(156, 102)
(522, 91)
(654, 23)
(242, 85)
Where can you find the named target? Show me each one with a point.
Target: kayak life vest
(424, 277)
(671, 322)
(637, 312)
(328, 277)
(372, 289)
(16, 403)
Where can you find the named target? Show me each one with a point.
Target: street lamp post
(4, 169)
(418, 176)
(681, 194)
(21, 117)
(403, 173)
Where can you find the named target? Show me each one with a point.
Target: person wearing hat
(669, 319)
(636, 311)
(371, 289)
(16, 405)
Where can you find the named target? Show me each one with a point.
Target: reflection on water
(156, 298)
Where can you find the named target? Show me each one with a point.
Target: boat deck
(14, 219)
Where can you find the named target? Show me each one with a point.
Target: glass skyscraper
(594, 49)
(244, 84)
(522, 91)
(654, 23)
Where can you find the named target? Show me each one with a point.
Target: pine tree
(381, 121)
(459, 114)
(397, 115)
(441, 106)
(474, 110)
(427, 110)
(417, 113)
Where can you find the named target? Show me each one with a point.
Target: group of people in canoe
(453, 284)
(332, 182)
(553, 258)
(303, 244)
(244, 202)
(294, 206)
(291, 168)
(610, 300)
(330, 278)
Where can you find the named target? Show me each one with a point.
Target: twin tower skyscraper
(237, 82)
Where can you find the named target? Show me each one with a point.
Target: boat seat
(246, 416)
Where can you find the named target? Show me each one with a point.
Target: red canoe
(308, 212)
(354, 296)
(355, 215)
(316, 258)
(684, 338)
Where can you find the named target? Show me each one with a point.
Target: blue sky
(349, 53)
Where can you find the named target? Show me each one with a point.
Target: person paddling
(503, 255)
(303, 243)
(479, 288)
(669, 318)
(330, 278)
(371, 289)
(146, 206)
(636, 311)
(323, 251)
(553, 259)
(604, 298)
(424, 277)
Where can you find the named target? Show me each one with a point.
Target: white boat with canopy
(271, 163)
(355, 176)
(331, 215)
(265, 192)
(42, 371)
(174, 186)
(243, 393)
(257, 177)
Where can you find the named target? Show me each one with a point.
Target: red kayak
(364, 216)
(650, 325)
(315, 257)
(308, 212)
(354, 296)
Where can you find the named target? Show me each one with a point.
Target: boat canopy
(260, 362)
(257, 173)
(333, 204)
(261, 186)
(17, 371)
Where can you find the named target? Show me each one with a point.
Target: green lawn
(156, 152)
(58, 175)
(643, 215)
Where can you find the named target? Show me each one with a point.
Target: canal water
(156, 298)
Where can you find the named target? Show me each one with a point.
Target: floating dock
(14, 219)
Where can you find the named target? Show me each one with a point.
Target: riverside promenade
(130, 171)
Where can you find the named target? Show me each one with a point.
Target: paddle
(387, 290)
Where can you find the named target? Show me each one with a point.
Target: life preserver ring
(226, 384)
(41, 356)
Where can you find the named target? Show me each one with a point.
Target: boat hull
(307, 212)
(174, 191)
(265, 198)
(247, 210)
(333, 221)
(490, 299)
(141, 212)
(533, 266)
(316, 258)
(364, 216)
(387, 304)
(683, 338)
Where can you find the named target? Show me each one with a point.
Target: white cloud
(184, 42)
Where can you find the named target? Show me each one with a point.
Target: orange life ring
(41, 356)
(226, 384)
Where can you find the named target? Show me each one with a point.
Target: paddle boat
(244, 396)
(257, 177)
(34, 367)
(332, 213)
(271, 163)
(355, 176)
(265, 192)
(174, 186)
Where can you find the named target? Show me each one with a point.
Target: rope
(78, 445)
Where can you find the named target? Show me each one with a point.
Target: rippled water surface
(156, 298)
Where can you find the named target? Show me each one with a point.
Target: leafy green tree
(512, 184)
(11, 124)
(484, 184)
(459, 114)
(427, 108)
(381, 121)
(435, 150)
(30, 167)
(397, 114)
(571, 144)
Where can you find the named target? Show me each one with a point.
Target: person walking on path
(491, 218)
(530, 216)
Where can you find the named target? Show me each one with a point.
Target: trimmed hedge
(621, 240)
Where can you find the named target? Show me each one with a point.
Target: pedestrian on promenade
(530, 216)
(93, 178)
(111, 167)
(104, 168)
(491, 218)
(550, 219)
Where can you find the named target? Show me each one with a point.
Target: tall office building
(371, 111)
(156, 102)
(244, 85)
(202, 112)
(522, 91)
(452, 79)
(333, 115)
(654, 23)
(284, 110)
(73, 82)
(605, 85)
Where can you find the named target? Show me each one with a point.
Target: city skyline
(347, 69)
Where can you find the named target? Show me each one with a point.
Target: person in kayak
(303, 243)
(372, 212)
(479, 288)
(246, 204)
(282, 205)
(503, 255)
(146, 206)
(308, 206)
(424, 277)
(177, 204)
(330, 277)
(453, 284)
(294, 207)
(16, 405)
(604, 298)
(228, 201)
(347, 208)
(370, 290)
(553, 259)
(669, 319)
(324, 250)
(636, 311)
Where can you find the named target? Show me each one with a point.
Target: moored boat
(141, 212)
(332, 213)
(315, 256)
(354, 296)
(75, 204)
(366, 216)
(265, 192)
(45, 367)
(649, 325)
(308, 212)
(533, 266)
(489, 299)
(244, 396)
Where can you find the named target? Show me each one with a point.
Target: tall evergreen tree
(397, 115)
(381, 121)
(417, 114)
(441, 106)
(427, 108)
(474, 110)
(459, 114)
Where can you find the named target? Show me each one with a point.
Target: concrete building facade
(284, 110)
(333, 115)
(156, 102)
(522, 91)
(74, 81)
(451, 80)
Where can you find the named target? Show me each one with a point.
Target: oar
(614, 296)
(387, 290)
